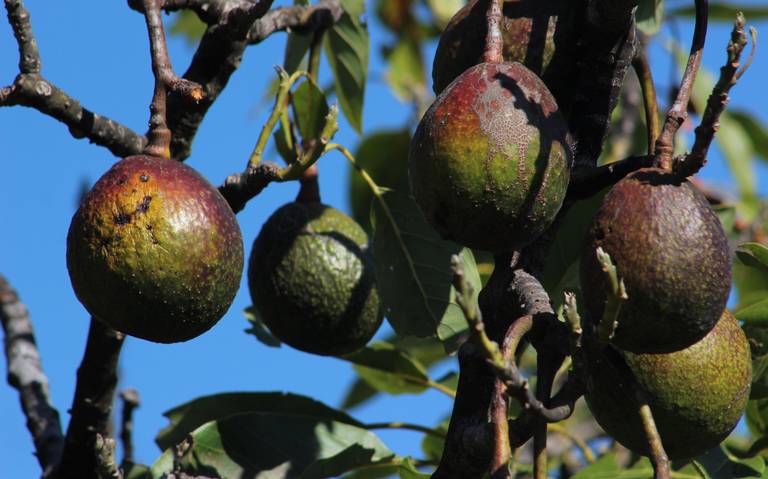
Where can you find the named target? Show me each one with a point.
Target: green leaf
(189, 416)
(754, 255)
(561, 270)
(186, 24)
(384, 155)
(649, 15)
(724, 12)
(276, 446)
(757, 417)
(444, 10)
(413, 269)
(756, 313)
(346, 47)
(310, 109)
(260, 330)
(605, 467)
(756, 131)
(757, 334)
(720, 464)
(408, 471)
(296, 46)
(427, 351)
(389, 370)
(433, 446)
(727, 216)
(136, 471)
(406, 74)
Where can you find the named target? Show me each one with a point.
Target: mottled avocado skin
(312, 280)
(155, 251)
(696, 395)
(489, 162)
(541, 35)
(673, 255)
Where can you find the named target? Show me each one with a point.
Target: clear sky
(97, 51)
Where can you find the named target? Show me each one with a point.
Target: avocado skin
(696, 395)
(489, 161)
(672, 254)
(312, 280)
(540, 35)
(155, 251)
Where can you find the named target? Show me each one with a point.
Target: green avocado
(672, 253)
(696, 395)
(489, 162)
(155, 251)
(312, 280)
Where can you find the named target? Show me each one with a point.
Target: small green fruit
(672, 253)
(489, 162)
(696, 395)
(312, 281)
(540, 35)
(155, 251)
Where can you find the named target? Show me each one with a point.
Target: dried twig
(25, 374)
(729, 75)
(678, 112)
(92, 405)
(130, 399)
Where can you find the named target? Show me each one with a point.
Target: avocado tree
(537, 224)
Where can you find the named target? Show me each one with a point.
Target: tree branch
(92, 405)
(586, 182)
(32, 90)
(729, 75)
(130, 399)
(324, 14)
(25, 374)
(678, 112)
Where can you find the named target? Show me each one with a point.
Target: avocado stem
(643, 70)
(493, 40)
(655, 448)
(159, 136)
(309, 192)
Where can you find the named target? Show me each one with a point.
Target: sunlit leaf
(413, 270)
(649, 15)
(186, 24)
(310, 109)
(346, 47)
(755, 129)
(406, 75)
(260, 330)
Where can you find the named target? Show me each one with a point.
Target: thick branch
(217, 57)
(18, 17)
(604, 53)
(25, 374)
(92, 406)
(589, 181)
(322, 15)
(30, 89)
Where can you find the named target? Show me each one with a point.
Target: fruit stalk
(643, 70)
(494, 40)
(159, 136)
(656, 448)
(679, 110)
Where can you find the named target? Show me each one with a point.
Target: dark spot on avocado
(144, 178)
(122, 180)
(122, 218)
(144, 205)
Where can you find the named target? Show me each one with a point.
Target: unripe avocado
(489, 162)
(696, 395)
(312, 280)
(155, 251)
(538, 34)
(672, 253)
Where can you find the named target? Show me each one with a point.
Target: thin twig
(92, 405)
(645, 76)
(678, 112)
(25, 374)
(131, 401)
(718, 99)
(319, 16)
(18, 17)
(616, 296)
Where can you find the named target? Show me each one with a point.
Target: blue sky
(97, 51)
